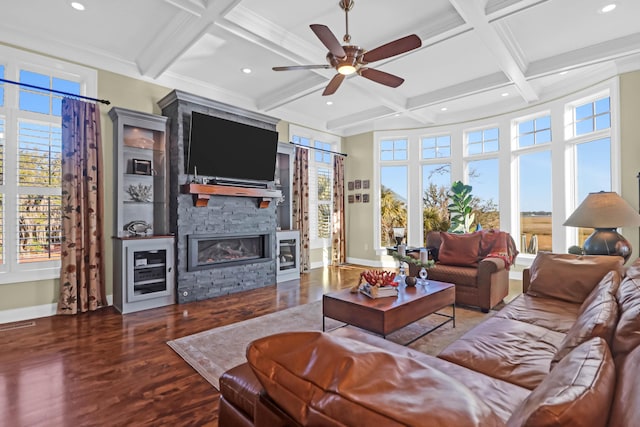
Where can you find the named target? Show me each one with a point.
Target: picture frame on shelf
(141, 167)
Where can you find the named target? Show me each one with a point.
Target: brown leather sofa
(565, 352)
(477, 263)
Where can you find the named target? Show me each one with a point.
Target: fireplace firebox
(222, 250)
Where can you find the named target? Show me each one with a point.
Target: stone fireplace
(228, 245)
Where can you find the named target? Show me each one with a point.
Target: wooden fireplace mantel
(203, 192)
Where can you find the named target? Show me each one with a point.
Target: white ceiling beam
(359, 117)
(499, 10)
(509, 61)
(601, 52)
(292, 92)
(460, 90)
(178, 35)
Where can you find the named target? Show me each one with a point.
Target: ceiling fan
(348, 59)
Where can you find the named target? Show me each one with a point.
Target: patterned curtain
(338, 251)
(300, 204)
(82, 286)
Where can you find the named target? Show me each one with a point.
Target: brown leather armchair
(477, 263)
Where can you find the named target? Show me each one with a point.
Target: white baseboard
(373, 263)
(34, 312)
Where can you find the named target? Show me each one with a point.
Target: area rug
(213, 352)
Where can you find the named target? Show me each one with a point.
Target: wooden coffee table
(383, 316)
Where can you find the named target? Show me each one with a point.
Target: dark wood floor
(106, 369)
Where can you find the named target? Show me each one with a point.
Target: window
(558, 152)
(436, 147)
(483, 176)
(592, 116)
(436, 181)
(30, 162)
(393, 150)
(320, 182)
(535, 201)
(593, 174)
(589, 135)
(534, 132)
(483, 141)
(325, 188)
(393, 202)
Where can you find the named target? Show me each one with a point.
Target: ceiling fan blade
(381, 77)
(333, 85)
(301, 67)
(396, 47)
(328, 39)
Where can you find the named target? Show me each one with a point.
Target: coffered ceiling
(477, 57)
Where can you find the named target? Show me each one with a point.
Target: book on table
(378, 291)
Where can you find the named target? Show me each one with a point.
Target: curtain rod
(319, 149)
(103, 101)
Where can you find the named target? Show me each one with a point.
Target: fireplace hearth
(223, 250)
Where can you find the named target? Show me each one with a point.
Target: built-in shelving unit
(288, 240)
(288, 253)
(143, 250)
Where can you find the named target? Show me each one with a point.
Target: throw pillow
(576, 393)
(459, 249)
(569, 277)
(319, 379)
(599, 319)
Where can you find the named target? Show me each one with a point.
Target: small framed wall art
(350, 198)
(365, 184)
(358, 184)
(350, 185)
(365, 198)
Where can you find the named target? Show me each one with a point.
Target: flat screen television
(220, 148)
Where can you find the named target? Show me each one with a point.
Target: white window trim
(507, 156)
(14, 60)
(485, 127)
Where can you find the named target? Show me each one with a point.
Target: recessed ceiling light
(329, 102)
(77, 6)
(246, 70)
(608, 8)
(504, 94)
(443, 109)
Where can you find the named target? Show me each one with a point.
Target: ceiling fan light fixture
(346, 69)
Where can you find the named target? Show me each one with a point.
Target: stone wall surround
(223, 214)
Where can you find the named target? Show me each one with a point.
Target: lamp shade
(603, 210)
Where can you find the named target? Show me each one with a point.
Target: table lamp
(605, 211)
